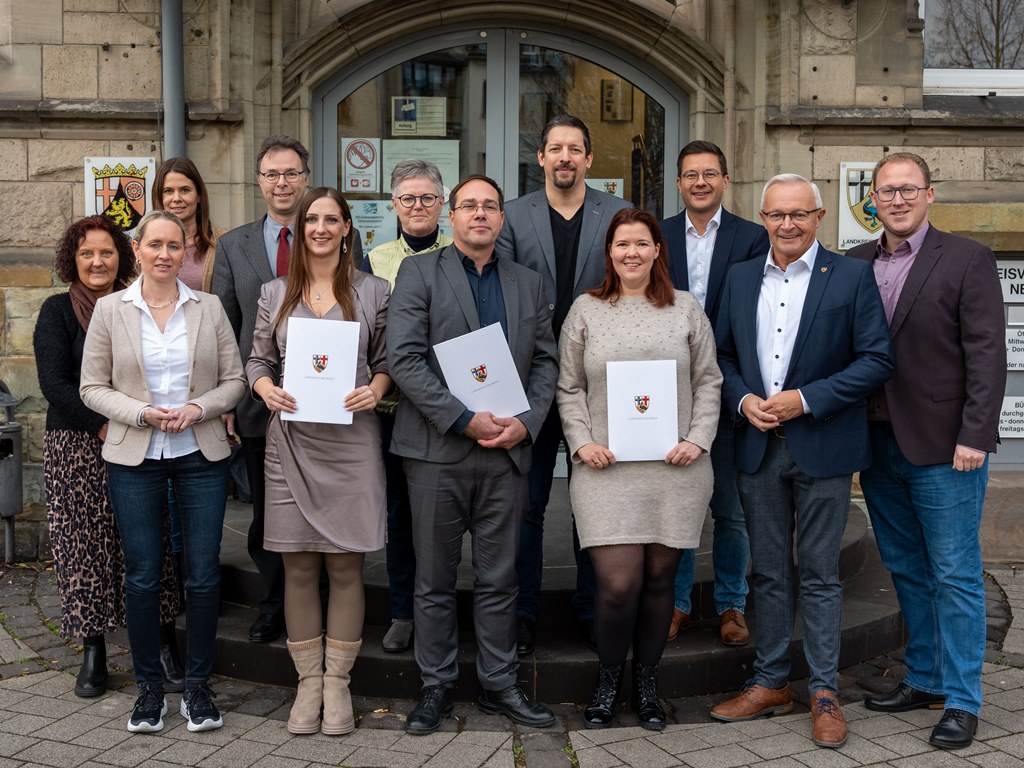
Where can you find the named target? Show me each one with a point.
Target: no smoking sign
(361, 165)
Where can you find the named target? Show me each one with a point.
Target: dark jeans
(267, 563)
(139, 498)
(401, 556)
(530, 562)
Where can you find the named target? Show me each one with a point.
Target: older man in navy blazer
(802, 342)
(703, 242)
(932, 428)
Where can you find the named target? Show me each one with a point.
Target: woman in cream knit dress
(635, 518)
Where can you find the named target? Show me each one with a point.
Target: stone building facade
(782, 85)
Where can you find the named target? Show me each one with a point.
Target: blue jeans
(779, 499)
(530, 562)
(401, 557)
(730, 551)
(139, 498)
(926, 522)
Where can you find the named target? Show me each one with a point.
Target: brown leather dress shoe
(829, 724)
(732, 628)
(755, 701)
(679, 622)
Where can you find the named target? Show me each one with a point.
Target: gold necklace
(168, 303)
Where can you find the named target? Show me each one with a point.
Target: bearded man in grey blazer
(557, 232)
(247, 257)
(467, 470)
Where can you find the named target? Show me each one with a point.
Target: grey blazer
(432, 302)
(240, 270)
(526, 238)
(114, 375)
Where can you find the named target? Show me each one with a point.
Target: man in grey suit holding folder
(467, 470)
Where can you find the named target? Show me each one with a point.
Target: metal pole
(173, 60)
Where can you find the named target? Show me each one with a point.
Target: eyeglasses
(709, 175)
(908, 193)
(797, 217)
(489, 207)
(426, 201)
(290, 176)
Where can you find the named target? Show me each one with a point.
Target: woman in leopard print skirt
(96, 258)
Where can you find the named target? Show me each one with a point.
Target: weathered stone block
(90, 6)
(129, 73)
(879, 96)
(23, 76)
(829, 28)
(20, 323)
(61, 160)
(13, 159)
(36, 21)
(827, 81)
(25, 205)
(111, 29)
(26, 275)
(197, 72)
(19, 373)
(951, 163)
(1004, 164)
(69, 72)
(827, 159)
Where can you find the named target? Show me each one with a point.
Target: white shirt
(699, 249)
(166, 359)
(779, 308)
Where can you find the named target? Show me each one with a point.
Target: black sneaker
(198, 708)
(150, 708)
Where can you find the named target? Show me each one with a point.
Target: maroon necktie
(284, 252)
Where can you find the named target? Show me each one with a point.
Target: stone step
(563, 669)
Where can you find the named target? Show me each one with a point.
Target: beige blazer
(114, 377)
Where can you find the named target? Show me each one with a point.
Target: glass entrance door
(475, 100)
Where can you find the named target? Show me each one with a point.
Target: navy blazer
(842, 353)
(737, 240)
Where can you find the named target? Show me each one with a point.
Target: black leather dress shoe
(955, 730)
(524, 635)
(514, 704)
(903, 698)
(426, 718)
(267, 628)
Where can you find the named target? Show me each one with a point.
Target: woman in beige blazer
(161, 363)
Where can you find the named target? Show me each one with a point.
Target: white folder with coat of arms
(643, 418)
(478, 369)
(320, 369)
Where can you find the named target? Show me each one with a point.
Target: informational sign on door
(375, 220)
(419, 115)
(1011, 419)
(1011, 277)
(360, 160)
(444, 153)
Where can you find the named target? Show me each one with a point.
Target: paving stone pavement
(42, 722)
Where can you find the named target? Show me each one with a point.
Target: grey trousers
(485, 495)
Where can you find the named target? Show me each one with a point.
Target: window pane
(627, 127)
(974, 34)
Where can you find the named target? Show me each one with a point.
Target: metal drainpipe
(172, 57)
(729, 97)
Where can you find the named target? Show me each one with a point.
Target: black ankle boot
(92, 677)
(645, 697)
(170, 662)
(601, 711)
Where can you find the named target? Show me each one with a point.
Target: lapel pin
(824, 269)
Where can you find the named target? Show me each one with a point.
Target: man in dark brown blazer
(933, 425)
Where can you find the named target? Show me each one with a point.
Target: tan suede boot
(338, 717)
(308, 657)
